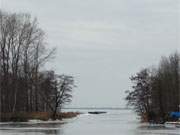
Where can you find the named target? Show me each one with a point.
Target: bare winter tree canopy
(62, 86)
(23, 86)
(156, 92)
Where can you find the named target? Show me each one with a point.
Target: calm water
(115, 122)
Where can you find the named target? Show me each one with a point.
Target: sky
(103, 42)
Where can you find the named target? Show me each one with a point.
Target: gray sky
(103, 42)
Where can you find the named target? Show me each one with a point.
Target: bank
(44, 116)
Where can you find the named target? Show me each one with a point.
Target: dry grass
(67, 115)
(24, 117)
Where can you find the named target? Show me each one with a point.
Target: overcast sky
(103, 42)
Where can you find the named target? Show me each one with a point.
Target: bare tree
(140, 97)
(59, 92)
(158, 94)
(22, 53)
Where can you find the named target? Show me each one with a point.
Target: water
(115, 122)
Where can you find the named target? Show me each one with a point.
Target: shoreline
(42, 116)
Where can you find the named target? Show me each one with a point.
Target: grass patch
(44, 116)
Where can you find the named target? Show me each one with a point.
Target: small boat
(176, 123)
(97, 112)
(172, 124)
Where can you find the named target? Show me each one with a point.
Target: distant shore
(25, 117)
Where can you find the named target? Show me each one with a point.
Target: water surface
(115, 122)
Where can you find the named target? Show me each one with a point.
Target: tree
(140, 97)
(157, 95)
(165, 87)
(58, 93)
(22, 53)
(24, 87)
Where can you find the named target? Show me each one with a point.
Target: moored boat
(172, 124)
(97, 112)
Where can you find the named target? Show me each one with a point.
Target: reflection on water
(115, 122)
(44, 132)
(32, 132)
(35, 128)
(158, 130)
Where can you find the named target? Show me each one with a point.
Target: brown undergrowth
(44, 116)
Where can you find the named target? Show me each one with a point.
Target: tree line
(24, 86)
(156, 91)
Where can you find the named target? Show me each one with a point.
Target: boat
(176, 122)
(97, 112)
(172, 124)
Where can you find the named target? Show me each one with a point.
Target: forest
(156, 91)
(24, 85)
